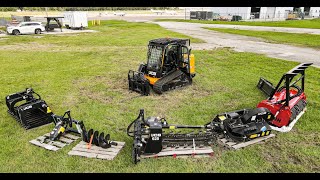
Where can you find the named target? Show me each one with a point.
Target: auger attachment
(64, 125)
(98, 140)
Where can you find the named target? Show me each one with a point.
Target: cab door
(187, 60)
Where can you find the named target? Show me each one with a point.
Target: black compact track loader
(28, 110)
(170, 65)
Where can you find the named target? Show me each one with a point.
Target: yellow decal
(267, 133)
(253, 136)
(61, 129)
(222, 118)
(262, 133)
(48, 110)
(172, 127)
(269, 116)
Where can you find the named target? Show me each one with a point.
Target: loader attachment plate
(34, 112)
(138, 83)
(265, 86)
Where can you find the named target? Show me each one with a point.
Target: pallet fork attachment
(138, 83)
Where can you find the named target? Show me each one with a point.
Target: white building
(259, 12)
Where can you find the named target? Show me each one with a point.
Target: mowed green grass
(308, 40)
(309, 23)
(90, 79)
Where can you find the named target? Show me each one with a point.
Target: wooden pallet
(236, 145)
(183, 152)
(45, 142)
(96, 151)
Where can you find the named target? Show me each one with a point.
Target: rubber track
(166, 79)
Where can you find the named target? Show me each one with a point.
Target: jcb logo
(28, 107)
(155, 137)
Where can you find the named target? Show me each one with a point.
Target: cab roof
(166, 41)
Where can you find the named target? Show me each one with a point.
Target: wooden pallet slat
(66, 140)
(70, 136)
(45, 142)
(81, 149)
(254, 141)
(181, 152)
(237, 145)
(109, 151)
(46, 146)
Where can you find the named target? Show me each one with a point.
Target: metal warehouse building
(260, 12)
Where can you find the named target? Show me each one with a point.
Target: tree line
(81, 8)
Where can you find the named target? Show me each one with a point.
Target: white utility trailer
(75, 20)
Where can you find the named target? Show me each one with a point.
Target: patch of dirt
(32, 46)
(276, 148)
(86, 91)
(38, 37)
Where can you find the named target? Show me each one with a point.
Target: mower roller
(32, 112)
(170, 65)
(150, 136)
(287, 100)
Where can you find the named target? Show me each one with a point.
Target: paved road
(243, 43)
(265, 28)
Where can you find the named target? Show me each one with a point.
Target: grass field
(87, 74)
(313, 23)
(308, 40)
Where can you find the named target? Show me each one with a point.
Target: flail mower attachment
(150, 136)
(33, 112)
(64, 125)
(243, 125)
(287, 101)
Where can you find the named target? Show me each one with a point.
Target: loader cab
(166, 54)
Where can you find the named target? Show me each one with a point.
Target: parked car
(26, 28)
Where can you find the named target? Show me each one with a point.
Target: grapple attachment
(33, 112)
(138, 83)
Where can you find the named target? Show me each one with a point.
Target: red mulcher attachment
(287, 102)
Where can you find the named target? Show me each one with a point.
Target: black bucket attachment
(265, 86)
(138, 83)
(34, 112)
